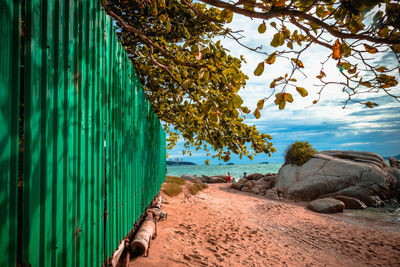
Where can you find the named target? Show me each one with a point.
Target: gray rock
(351, 203)
(271, 194)
(205, 178)
(258, 184)
(237, 185)
(189, 177)
(246, 189)
(254, 176)
(242, 181)
(248, 184)
(360, 175)
(257, 189)
(394, 163)
(326, 205)
(217, 179)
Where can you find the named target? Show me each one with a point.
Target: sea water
(236, 171)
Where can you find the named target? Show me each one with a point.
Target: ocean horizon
(236, 170)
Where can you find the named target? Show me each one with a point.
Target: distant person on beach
(228, 178)
(245, 175)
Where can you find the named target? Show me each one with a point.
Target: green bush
(172, 189)
(196, 186)
(299, 153)
(174, 180)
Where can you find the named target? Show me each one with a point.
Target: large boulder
(360, 175)
(326, 205)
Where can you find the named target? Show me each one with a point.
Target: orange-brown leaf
(336, 50)
(279, 3)
(370, 49)
(298, 62)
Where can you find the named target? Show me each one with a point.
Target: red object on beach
(228, 178)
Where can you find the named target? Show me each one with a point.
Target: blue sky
(325, 125)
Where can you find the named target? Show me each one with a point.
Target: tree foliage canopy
(193, 82)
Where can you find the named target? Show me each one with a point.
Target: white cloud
(354, 144)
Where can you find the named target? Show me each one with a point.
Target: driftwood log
(141, 242)
(147, 231)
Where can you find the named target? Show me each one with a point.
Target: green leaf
(262, 28)
(346, 50)
(384, 32)
(353, 70)
(346, 65)
(154, 10)
(162, 18)
(260, 104)
(207, 162)
(396, 48)
(315, 102)
(278, 98)
(260, 69)
(288, 97)
(237, 101)
(303, 92)
(273, 24)
(282, 105)
(278, 39)
(168, 24)
(245, 110)
(356, 26)
(249, 5)
(203, 75)
(227, 15)
(256, 113)
(271, 59)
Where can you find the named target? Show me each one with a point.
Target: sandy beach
(221, 226)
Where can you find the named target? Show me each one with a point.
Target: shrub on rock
(299, 153)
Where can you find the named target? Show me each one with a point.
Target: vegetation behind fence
(84, 155)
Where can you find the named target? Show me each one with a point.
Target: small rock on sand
(326, 205)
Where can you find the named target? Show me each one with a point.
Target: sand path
(224, 227)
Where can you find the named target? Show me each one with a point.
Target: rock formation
(355, 178)
(256, 183)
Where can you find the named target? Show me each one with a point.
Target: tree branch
(315, 40)
(299, 14)
(145, 39)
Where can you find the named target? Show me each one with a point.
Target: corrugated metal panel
(80, 92)
(9, 105)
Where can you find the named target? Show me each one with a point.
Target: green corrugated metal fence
(80, 95)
